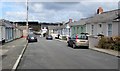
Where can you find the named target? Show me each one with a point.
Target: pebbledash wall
(8, 31)
(106, 23)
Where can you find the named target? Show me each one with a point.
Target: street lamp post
(27, 18)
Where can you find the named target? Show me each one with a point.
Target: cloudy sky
(53, 11)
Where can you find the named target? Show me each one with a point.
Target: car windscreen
(49, 36)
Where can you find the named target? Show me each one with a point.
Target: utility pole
(27, 30)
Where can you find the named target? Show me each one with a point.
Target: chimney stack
(99, 10)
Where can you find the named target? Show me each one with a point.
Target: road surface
(53, 54)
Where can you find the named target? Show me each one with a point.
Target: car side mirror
(69, 37)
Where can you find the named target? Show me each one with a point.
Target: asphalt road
(53, 54)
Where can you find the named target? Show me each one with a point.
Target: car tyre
(73, 46)
(36, 40)
(68, 44)
(28, 41)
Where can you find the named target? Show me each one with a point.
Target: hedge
(110, 43)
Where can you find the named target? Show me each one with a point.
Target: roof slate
(98, 18)
(5, 23)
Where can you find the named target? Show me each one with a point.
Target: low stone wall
(93, 41)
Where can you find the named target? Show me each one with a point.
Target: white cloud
(15, 16)
(36, 7)
(58, 12)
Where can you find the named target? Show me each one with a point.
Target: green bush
(110, 43)
(117, 43)
(102, 42)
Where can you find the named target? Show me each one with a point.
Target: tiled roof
(5, 23)
(104, 17)
(1, 23)
(56, 27)
(80, 22)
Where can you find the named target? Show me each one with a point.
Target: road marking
(19, 58)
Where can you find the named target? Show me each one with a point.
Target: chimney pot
(99, 10)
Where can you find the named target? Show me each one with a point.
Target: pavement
(53, 54)
(11, 51)
(107, 51)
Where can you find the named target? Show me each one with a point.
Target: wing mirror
(69, 37)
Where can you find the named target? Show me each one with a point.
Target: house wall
(15, 33)
(99, 28)
(88, 29)
(103, 29)
(95, 32)
(91, 29)
(119, 27)
(8, 34)
(73, 30)
(78, 29)
(115, 29)
(0, 33)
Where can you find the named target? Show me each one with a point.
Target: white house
(2, 32)
(44, 31)
(65, 29)
(62, 30)
(106, 23)
(8, 31)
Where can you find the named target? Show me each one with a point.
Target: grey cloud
(62, 11)
(57, 6)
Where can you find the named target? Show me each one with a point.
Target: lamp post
(27, 18)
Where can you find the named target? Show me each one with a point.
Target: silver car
(78, 40)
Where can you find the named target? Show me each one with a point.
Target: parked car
(78, 40)
(49, 37)
(32, 38)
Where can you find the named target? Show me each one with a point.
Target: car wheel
(36, 40)
(73, 45)
(28, 41)
(68, 44)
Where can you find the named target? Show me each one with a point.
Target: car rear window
(82, 36)
(31, 35)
